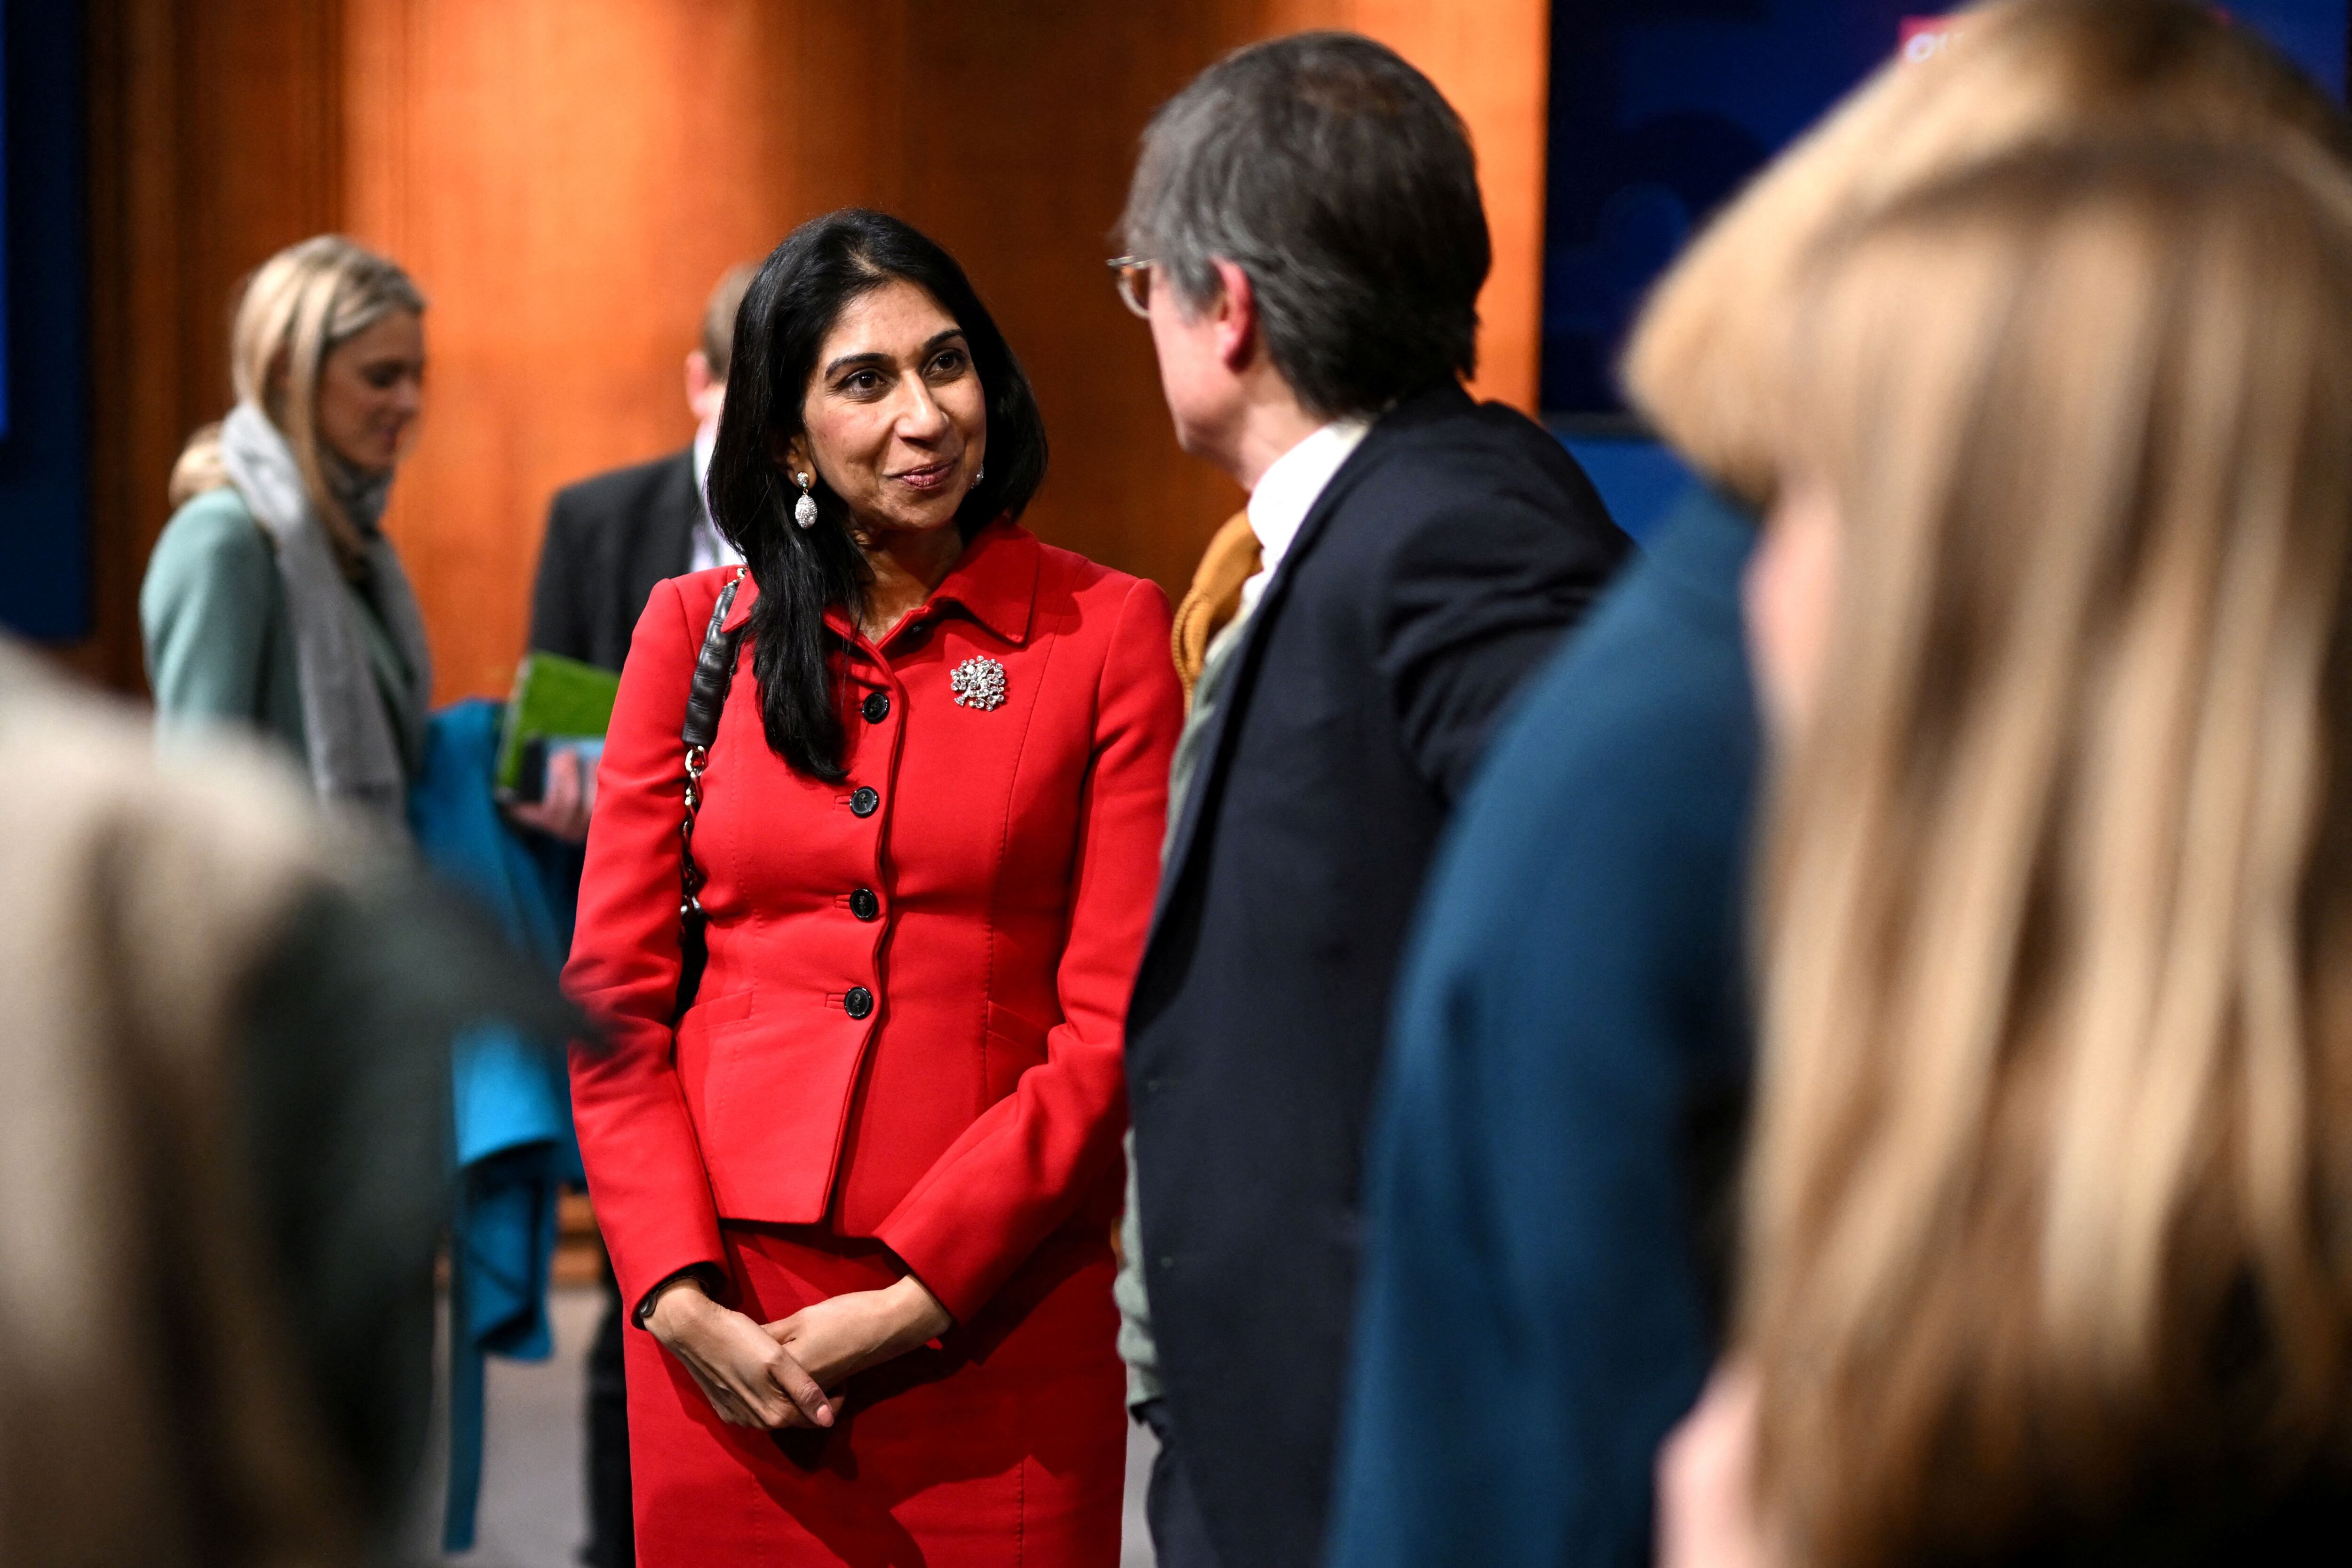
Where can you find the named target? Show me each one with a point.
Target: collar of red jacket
(994, 582)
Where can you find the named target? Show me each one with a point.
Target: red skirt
(1006, 1444)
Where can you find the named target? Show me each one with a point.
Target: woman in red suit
(859, 1195)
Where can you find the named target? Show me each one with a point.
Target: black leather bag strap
(714, 672)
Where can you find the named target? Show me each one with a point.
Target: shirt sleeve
(1021, 1170)
(644, 1166)
(204, 612)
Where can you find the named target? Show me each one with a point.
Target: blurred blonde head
(1707, 359)
(298, 308)
(2050, 1186)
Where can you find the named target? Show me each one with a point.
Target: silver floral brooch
(977, 682)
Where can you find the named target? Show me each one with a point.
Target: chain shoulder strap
(714, 672)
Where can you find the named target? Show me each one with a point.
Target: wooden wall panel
(215, 139)
(1022, 128)
(1492, 61)
(566, 178)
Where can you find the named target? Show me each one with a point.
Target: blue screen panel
(1660, 108)
(2315, 34)
(45, 583)
(3, 220)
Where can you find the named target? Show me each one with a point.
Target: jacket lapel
(1224, 726)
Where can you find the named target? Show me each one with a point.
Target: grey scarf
(354, 753)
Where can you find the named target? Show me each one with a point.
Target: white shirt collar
(710, 546)
(705, 441)
(1287, 492)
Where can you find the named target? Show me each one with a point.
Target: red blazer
(978, 887)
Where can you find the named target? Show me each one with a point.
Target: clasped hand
(790, 1372)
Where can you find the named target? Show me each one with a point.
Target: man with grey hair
(1307, 244)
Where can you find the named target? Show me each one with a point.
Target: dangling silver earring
(978, 472)
(804, 509)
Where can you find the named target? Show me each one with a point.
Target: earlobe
(1236, 313)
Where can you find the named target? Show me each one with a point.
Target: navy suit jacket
(609, 540)
(1435, 571)
(1549, 1214)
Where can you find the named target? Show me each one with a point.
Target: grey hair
(1339, 179)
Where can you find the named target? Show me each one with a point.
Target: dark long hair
(793, 303)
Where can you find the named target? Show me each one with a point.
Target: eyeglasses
(1133, 274)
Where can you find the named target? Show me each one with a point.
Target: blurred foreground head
(150, 1410)
(1706, 361)
(2051, 1205)
(224, 1148)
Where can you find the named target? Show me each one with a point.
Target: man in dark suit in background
(609, 540)
(1308, 244)
(612, 537)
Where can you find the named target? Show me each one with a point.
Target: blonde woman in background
(2050, 1207)
(273, 599)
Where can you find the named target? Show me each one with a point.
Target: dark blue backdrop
(4, 221)
(45, 590)
(1660, 108)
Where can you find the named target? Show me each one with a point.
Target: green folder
(554, 697)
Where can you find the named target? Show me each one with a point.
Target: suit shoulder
(1120, 620)
(696, 592)
(217, 516)
(1486, 445)
(623, 491)
(1083, 575)
(1122, 605)
(669, 629)
(1480, 479)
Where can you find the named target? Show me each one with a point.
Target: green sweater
(220, 646)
